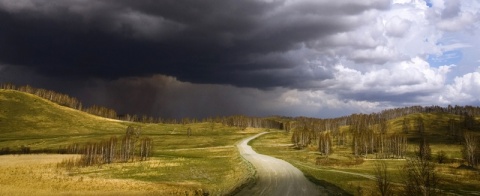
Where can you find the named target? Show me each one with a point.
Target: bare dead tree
(420, 125)
(471, 149)
(420, 177)
(424, 150)
(325, 143)
(382, 178)
(468, 121)
(108, 151)
(145, 148)
(405, 125)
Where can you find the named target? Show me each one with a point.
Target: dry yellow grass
(38, 175)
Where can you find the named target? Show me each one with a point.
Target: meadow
(207, 161)
(356, 175)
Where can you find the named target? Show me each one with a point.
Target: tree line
(239, 120)
(68, 101)
(245, 121)
(62, 99)
(74, 103)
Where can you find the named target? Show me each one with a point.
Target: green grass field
(207, 160)
(356, 175)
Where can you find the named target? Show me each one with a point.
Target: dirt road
(275, 176)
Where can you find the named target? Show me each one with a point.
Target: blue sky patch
(429, 3)
(447, 58)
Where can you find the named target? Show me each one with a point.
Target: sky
(190, 58)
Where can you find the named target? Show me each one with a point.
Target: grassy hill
(207, 160)
(436, 132)
(26, 119)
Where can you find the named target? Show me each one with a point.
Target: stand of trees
(245, 121)
(370, 136)
(302, 137)
(393, 146)
(130, 148)
(325, 143)
(367, 135)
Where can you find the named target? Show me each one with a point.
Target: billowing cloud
(402, 82)
(453, 16)
(397, 27)
(465, 89)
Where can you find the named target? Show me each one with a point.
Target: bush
(5, 150)
(420, 177)
(442, 157)
(25, 149)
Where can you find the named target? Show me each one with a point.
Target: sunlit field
(207, 161)
(356, 176)
(217, 173)
(215, 169)
(39, 175)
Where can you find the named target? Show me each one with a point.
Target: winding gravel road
(275, 176)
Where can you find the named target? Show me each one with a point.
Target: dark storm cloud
(243, 43)
(166, 97)
(178, 58)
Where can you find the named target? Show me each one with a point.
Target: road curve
(275, 176)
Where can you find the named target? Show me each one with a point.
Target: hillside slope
(204, 160)
(436, 127)
(28, 120)
(28, 117)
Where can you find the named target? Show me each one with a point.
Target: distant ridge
(60, 99)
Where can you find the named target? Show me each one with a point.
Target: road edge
(252, 179)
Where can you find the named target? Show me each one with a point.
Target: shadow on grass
(329, 187)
